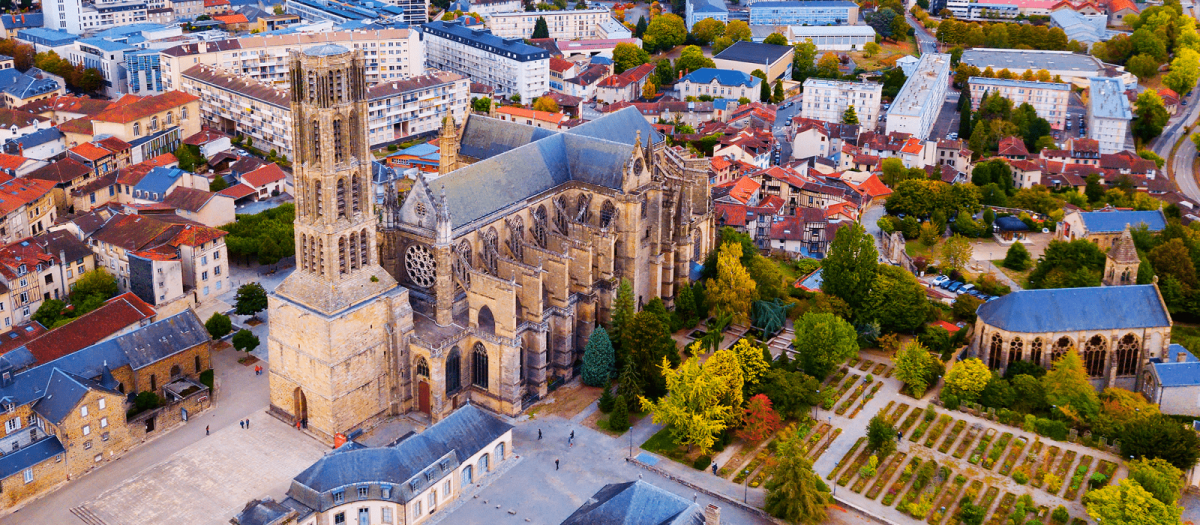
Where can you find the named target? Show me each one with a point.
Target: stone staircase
(87, 516)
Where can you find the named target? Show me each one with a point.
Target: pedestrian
(539, 434)
(556, 464)
(242, 423)
(206, 430)
(714, 469)
(247, 423)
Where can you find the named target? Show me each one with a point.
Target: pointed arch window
(453, 370)
(1061, 347)
(491, 250)
(1035, 351)
(462, 264)
(342, 254)
(339, 142)
(1015, 350)
(516, 236)
(608, 213)
(583, 208)
(560, 215)
(539, 226)
(996, 348)
(479, 366)
(318, 201)
(316, 140)
(1095, 352)
(1127, 356)
(422, 367)
(364, 248)
(356, 193)
(341, 198)
(353, 249)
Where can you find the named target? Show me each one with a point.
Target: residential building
(266, 181)
(916, 107)
(78, 17)
(976, 10)
(586, 83)
(187, 9)
(406, 482)
(19, 89)
(414, 12)
(26, 207)
(45, 39)
(151, 125)
(399, 109)
(808, 12)
(1173, 382)
(697, 10)
(393, 53)
(828, 100)
(596, 47)
(832, 38)
(487, 8)
(18, 166)
(718, 83)
(14, 22)
(1109, 115)
(62, 108)
(205, 207)
(568, 24)
(30, 276)
(1049, 99)
(276, 22)
(775, 61)
(625, 87)
(820, 138)
(73, 414)
(1072, 68)
(508, 64)
(530, 117)
(954, 153)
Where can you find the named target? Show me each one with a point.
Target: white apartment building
(77, 17)
(832, 38)
(916, 107)
(1049, 99)
(574, 24)
(402, 108)
(389, 54)
(1109, 115)
(827, 100)
(507, 64)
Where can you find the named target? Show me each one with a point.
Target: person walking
(714, 465)
(556, 464)
(242, 423)
(206, 430)
(539, 434)
(247, 423)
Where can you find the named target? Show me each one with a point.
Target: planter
(849, 453)
(896, 487)
(954, 433)
(889, 468)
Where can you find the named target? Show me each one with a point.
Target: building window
(137, 129)
(339, 497)
(466, 475)
(362, 492)
(387, 515)
(386, 491)
(12, 425)
(87, 430)
(102, 403)
(416, 509)
(87, 445)
(446, 488)
(479, 366)
(83, 411)
(339, 518)
(103, 422)
(28, 476)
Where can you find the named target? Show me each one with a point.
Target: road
(926, 43)
(1182, 163)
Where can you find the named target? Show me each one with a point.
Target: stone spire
(1121, 263)
(448, 146)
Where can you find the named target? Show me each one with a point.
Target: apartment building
(507, 64)
(808, 12)
(78, 17)
(1049, 99)
(26, 207)
(697, 10)
(108, 58)
(718, 83)
(828, 100)
(37, 269)
(151, 125)
(1109, 115)
(571, 24)
(916, 107)
(388, 54)
(401, 108)
(414, 12)
(832, 38)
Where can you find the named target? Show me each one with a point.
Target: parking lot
(947, 121)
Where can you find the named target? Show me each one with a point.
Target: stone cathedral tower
(339, 321)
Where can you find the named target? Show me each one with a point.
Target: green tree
(649, 343)
(793, 393)
(640, 28)
(957, 252)
(1173, 259)
(482, 104)
(96, 284)
(50, 312)
(627, 56)
(1151, 116)
(1160, 436)
(545, 103)
(804, 60)
(245, 340)
(967, 379)
(708, 30)
(881, 436)
(737, 31)
(776, 39)
(1070, 264)
(622, 315)
(871, 49)
(914, 364)
(250, 299)
(218, 183)
(1017, 257)
(764, 92)
(692, 58)
(795, 493)
(598, 361)
(777, 94)
(218, 325)
(189, 157)
(1185, 71)
(823, 341)
(1068, 388)
(733, 290)
(618, 421)
(881, 21)
(1159, 477)
(540, 28)
(897, 300)
(850, 117)
(664, 33)
(1127, 503)
(849, 268)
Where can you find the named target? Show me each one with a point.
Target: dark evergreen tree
(540, 28)
(618, 421)
(640, 28)
(598, 359)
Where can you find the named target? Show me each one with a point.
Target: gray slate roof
(29, 456)
(513, 171)
(636, 503)
(437, 452)
(1076, 309)
(63, 393)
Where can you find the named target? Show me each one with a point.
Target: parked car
(966, 288)
(937, 281)
(954, 286)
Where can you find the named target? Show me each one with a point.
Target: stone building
(486, 281)
(1117, 330)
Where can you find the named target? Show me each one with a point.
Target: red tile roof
(20, 335)
(68, 104)
(204, 137)
(11, 162)
(129, 112)
(90, 151)
(19, 192)
(61, 172)
(873, 187)
(1013, 147)
(110, 319)
(264, 175)
(188, 199)
(114, 144)
(742, 189)
(131, 175)
(237, 18)
(238, 191)
(81, 125)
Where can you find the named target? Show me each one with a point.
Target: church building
(481, 285)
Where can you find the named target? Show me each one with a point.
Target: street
(926, 43)
(1181, 165)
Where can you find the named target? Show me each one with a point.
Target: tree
(795, 493)
(777, 94)
(1017, 258)
(1173, 259)
(1066, 264)
(708, 30)
(218, 183)
(764, 92)
(1185, 71)
(971, 514)
(776, 39)
(804, 59)
(245, 340)
(218, 325)
(737, 31)
(1160, 436)
(913, 366)
(897, 300)
(967, 379)
(618, 421)
(96, 284)
(622, 315)
(881, 21)
(1068, 388)
(250, 299)
(50, 312)
(1127, 503)
(759, 421)
(871, 49)
(640, 28)
(881, 436)
(956, 253)
(665, 32)
(1151, 116)
(278, 9)
(598, 360)
(850, 116)
(484, 104)
(751, 359)
(540, 28)
(792, 393)
(849, 268)
(189, 157)
(1159, 477)
(733, 291)
(829, 66)
(649, 90)
(696, 407)
(627, 56)
(823, 341)
(692, 58)
(649, 343)
(546, 104)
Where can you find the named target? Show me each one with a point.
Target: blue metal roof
(46, 37)
(29, 20)
(636, 502)
(105, 44)
(514, 48)
(1115, 221)
(29, 456)
(159, 180)
(37, 138)
(1172, 373)
(26, 86)
(725, 77)
(1076, 309)
(130, 29)
(1011, 224)
(419, 150)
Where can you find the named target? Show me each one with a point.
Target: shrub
(930, 413)
(950, 401)
(619, 420)
(1060, 515)
(245, 340)
(1056, 430)
(607, 401)
(1020, 477)
(869, 379)
(702, 463)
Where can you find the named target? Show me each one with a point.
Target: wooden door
(423, 396)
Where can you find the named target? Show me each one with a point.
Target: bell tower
(339, 322)
(1121, 263)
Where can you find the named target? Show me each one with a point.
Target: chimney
(712, 515)
(1180, 356)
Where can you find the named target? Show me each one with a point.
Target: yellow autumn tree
(754, 364)
(702, 400)
(733, 291)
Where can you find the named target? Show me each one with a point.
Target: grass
(206, 377)
(1021, 278)
(915, 248)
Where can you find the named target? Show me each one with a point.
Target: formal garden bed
(1054, 481)
(867, 398)
(879, 368)
(1014, 454)
(1044, 465)
(889, 469)
(966, 443)
(866, 365)
(898, 485)
(895, 416)
(820, 451)
(849, 454)
(854, 467)
(972, 491)
(926, 486)
(849, 382)
(910, 420)
(981, 449)
(861, 482)
(947, 500)
(1078, 478)
(955, 431)
(943, 421)
(1000, 516)
(858, 390)
(1024, 473)
(927, 419)
(997, 451)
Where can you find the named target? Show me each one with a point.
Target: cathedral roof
(1123, 251)
(1076, 309)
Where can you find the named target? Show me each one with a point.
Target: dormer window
(445, 465)
(386, 491)
(412, 485)
(21, 270)
(362, 492)
(339, 497)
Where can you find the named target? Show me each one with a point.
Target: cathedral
(481, 285)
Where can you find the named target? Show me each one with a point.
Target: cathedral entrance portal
(300, 406)
(423, 397)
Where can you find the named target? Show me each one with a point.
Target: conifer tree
(598, 358)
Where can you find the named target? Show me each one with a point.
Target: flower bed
(1078, 479)
(981, 449)
(879, 368)
(917, 501)
(972, 491)
(837, 376)
(861, 483)
(943, 421)
(889, 372)
(889, 468)
(910, 420)
(954, 433)
(852, 470)
(867, 399)
(853, 361)
(1060, 472)
(947, 500)
(989, 497)
(1107, 468)
(833, 436)
(905, 475)
(1003, 509)
(900, 410)
(921, 428)
(997, 451)
(811, 441)
(866, 365)
(1043, 467)
(842, 408)
(972, 433)
(887, 409)
(1013, 455)
(849, 382)
(1024, 473)
(758, 460)
(849, 454)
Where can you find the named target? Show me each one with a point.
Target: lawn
(662, 444)
(914, 248)
(1022, 278)
(892, 51)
